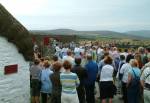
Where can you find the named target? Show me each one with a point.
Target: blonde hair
(134, 63)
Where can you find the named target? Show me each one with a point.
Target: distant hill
(55, 32)
(140, 33)
(93, 34)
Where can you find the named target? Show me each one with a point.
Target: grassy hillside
(87, 34)
(16, 33)
(140, 33)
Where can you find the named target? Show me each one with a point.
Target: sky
(116, 15)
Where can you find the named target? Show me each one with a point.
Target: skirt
(106, 89)
(69, 98)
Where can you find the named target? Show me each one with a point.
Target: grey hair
(133, 63)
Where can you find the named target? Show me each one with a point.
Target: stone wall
(14, 88)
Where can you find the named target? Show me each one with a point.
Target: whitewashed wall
(14, 88)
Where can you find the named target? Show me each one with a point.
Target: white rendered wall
(14, 88)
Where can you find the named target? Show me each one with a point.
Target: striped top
(69, 82)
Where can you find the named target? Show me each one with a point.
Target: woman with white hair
(133, 84)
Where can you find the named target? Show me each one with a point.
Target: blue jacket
(92, 70)
(46, 84)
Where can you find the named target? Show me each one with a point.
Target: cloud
(24, 7)
(81, 14)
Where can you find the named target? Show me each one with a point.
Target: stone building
(15, 49)
(14, 88)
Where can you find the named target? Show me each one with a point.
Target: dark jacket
(81, 73)
(92, 70)
(56, 84)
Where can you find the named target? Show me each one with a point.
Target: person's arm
(121, 72)
(129, 79)
(77, 81)
(84, 72)
(142, 83)
(96, 68)
(100, 65)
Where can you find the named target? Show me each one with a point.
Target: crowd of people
(70, 76)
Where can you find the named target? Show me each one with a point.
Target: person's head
(46, 64)
(89, 57)
(94, 48)
(125, 50)
(115, 49)
(134, 63)
(122, 57)
(46, 58)
(57, 66)
(120, 50)
(42, 59)
(108, 60)
(141, 50)
(137, 57)
(105, 54)
(78, 60)
(67, 65)
(55, 58)
(36, 61)
(69, 52)
(36, 50)
(129, 57)
(147, 50)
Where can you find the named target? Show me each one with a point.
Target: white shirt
(99, 51)
(35, 47)
(115, 54)
(82, 50)
(69, 58)
(125, 54)
(107, 73)
(57, 49)
(145, 75)
(76, 49)
(64, 50)
(125, 70)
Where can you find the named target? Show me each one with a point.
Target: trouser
(44, 97)
(146, 96)
(124, 91)
(89, 89)
(69, 98)
(81, 94)
(56, 98)
(133, 94)
(119, 86)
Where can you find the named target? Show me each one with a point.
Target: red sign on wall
(11, 69)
